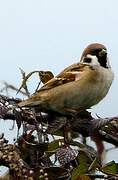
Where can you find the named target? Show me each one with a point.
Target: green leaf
(110, 167)
(82, 168)
(54, 145)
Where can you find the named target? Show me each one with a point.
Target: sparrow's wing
(69, 74)
(70, 68)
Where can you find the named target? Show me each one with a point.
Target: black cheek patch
(103, 61)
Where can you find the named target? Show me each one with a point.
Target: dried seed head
(45, 174)
(24, 171)
(41, 177)
(41, 171)
(31, 172)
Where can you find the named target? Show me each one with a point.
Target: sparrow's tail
(30, 103)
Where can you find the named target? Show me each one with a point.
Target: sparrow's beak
(102, 53)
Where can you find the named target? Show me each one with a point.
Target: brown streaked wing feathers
(64, 77)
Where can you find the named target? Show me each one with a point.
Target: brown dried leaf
(45, 76)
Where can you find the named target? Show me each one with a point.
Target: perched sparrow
(78, 87)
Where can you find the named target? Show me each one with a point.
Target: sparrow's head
(95, 54)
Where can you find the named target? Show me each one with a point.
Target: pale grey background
(51, 34)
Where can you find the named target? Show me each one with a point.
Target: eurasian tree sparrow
(78, 87)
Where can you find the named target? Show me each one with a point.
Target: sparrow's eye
(87, 60)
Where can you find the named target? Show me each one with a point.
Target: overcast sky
(51, 34)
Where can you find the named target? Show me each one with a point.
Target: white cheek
(94, 60)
